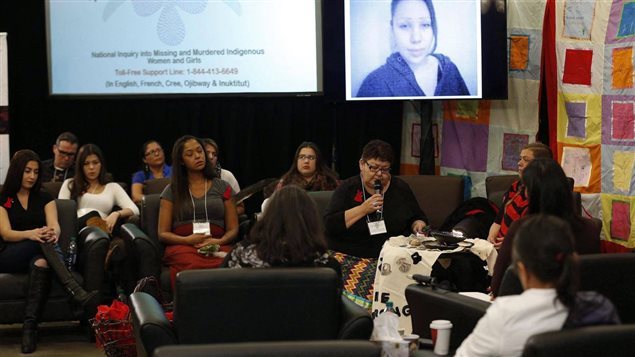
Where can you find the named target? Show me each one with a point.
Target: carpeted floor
(63, 339)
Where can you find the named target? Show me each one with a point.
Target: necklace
(95, 188)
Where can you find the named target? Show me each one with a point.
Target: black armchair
(609, 274)
(614, 341)
(149, 251)
(430, 303)
(250, 305)
(335, 348)
(93, 245)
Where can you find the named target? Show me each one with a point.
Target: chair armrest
(147, 250)
(607, 340)
(356, 323)
(152, 329)
(92, 256)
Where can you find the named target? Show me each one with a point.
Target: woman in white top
(93, 193)
(547, 266)
(96, 199)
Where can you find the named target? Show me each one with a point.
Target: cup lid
(441, 324)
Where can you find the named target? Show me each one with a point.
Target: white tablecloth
(398, 261)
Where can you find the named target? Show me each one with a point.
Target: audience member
(102, 204)
(309, 170)
(290, 233)
(196, 210)
(154, 167)
(61, 166)
(548, 192)
(366, 210)
(30, 230)
(514, 204)
(211, 148)
(547, 265)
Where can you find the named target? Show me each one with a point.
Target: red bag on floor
(113, 329)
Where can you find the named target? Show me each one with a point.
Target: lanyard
(55, 172)
(194, 205)
(381, 213)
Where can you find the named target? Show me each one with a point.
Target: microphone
(378, 187)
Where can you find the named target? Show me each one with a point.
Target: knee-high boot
(39, 286)
(78, 293)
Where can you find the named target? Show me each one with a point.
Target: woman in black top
(364, 212)
(30, 230)
(373, 196)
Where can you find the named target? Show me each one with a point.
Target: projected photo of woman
(417, 64)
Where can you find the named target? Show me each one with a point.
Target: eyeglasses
(66, 153)
(156, 151)
(374, 168)
(305, 157)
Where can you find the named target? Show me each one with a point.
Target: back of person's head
(15, 173)
(291, 229)
(378, 149)
(539, 150)
(66, 136)
(548, 189)
(79, 185)
(544, 245)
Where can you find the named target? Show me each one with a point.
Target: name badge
(201, 227)
(377, 227)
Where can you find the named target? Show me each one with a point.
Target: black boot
(78, 293)
(39, 285)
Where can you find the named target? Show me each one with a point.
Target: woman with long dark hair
(97, 200)
(289, 233)
(154, 166)
(30, 230)
(196, 210)
(309, 170)
(548, 192)
(547, 265)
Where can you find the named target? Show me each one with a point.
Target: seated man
(61, 166)
(515, 203)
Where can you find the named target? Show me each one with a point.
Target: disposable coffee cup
(394, 348)
(440, 330)
(413, 342)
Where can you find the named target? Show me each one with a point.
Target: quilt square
(464, 146)
(576, 163)
(623, 163)
(620, 220)
(622, 71)
(518, 52)
(577, 66)
(576, 113)
(627, 21)
(623, 120)
(512, 145)
(578, 19)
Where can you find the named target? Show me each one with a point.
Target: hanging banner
(4, 108)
